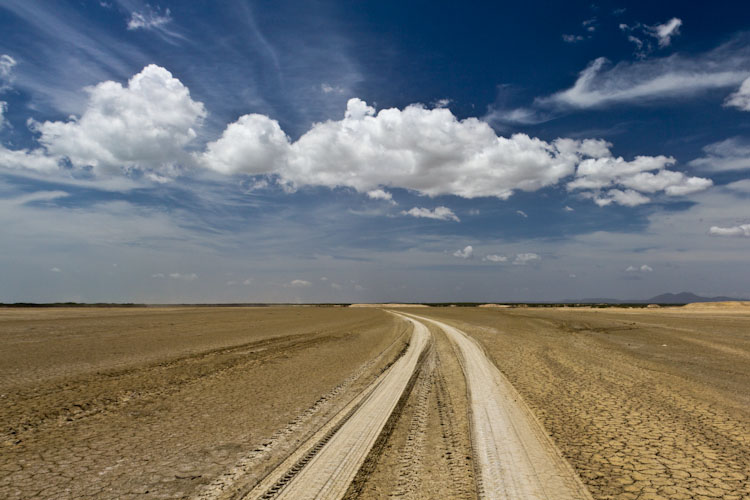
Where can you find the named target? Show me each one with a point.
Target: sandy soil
(328, 463)
(125, 403)
(515, 457)
(205, 402)
(643, 404)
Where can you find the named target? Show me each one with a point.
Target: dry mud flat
(162, 403)
(643, 404)
(323, 403)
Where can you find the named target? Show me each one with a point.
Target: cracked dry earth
(161, 403)
(208, 403)
(643, 404)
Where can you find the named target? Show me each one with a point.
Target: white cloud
(184, 277)
(628, 198)
(741, 98)
(158, 275)
(328, 89)
(147, 124)
(440, 213)
(569, 209)
(572, 38)
(3, 109)
(428, 151)
(664, 32)
(148, 19)
(299, 284)
(495, 258)
(524, 258)
(466, 253)
(645, 268)
(644, 174)
(36, 159)
(726, 155)
(6, 71)
(643, 82)
(741, 230)
(522, 214)
(379, 194)
(56, 270)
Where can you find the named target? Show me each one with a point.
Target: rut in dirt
(325, 466)
(515, 458)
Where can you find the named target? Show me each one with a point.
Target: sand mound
(504, 306)
(388, 305)
(742, 305)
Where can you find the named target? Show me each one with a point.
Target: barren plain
(281, 402)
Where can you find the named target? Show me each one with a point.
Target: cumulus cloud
(495, 258)
(642, 82)
(147, 124)
(741, 98)
(524, 258)
(148, 19)
(569, 209)
(299, 284)
(37, 159)
(645, 268)
(379, 194)
(522, 214)
(466, 253)
(428, 151)
(726, 155)
(147, 127)
(604, 180)
(440, 213)
(742, 230)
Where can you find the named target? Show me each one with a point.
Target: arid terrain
(369, 402)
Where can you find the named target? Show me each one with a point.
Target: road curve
(516, 458)
(328, 473)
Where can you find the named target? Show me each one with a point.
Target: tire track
(238, 481)
(515, 456)
(410, 463)
(325, 466)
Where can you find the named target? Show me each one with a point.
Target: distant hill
(686, 298)
(664, 298)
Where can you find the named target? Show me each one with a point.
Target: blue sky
(371, 151)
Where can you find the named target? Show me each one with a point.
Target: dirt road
(516, 458)
(325, 466)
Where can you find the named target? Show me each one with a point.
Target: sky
(333, 151)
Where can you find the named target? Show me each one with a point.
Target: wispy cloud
(148, 19)
(731, 154)
(495, 258)
(524, 258)
(743, 230)
(440, 213)
(741, 98)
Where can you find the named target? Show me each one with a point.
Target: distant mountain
(686, 298)
(664, 298)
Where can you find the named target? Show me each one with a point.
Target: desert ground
(375, 402)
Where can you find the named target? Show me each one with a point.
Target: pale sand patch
(388, 305)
